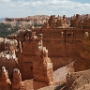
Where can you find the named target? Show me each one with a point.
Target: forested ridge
(7, 29)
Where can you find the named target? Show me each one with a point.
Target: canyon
(46, 58)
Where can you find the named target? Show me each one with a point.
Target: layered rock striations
(28, 62)
(37, 20)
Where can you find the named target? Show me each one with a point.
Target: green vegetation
(6, 30)
(37, 25)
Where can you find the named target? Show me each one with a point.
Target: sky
(24, 8)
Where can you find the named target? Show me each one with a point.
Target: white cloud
(17, 8)
(5, 0)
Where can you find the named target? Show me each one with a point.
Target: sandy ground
(60, 74)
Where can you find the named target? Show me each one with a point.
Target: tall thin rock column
(5, 83)
(17, 80)
(43, 67)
